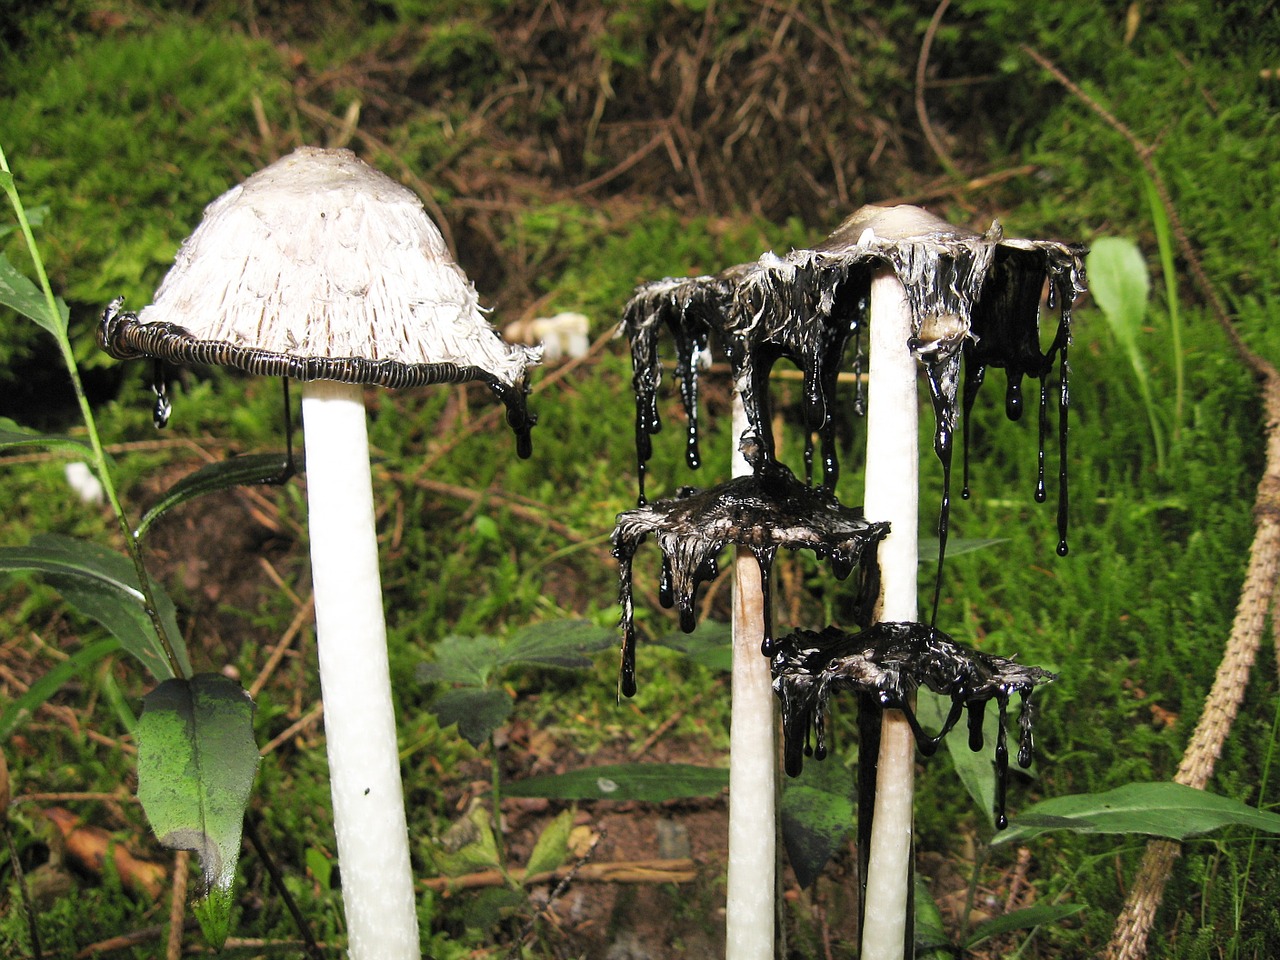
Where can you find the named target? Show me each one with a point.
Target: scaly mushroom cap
(320, 267)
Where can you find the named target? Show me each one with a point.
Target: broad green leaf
(6, 182)
(817, 814)
(1166, 809)
(102, 585)
(1024, 919)
(196, 763)
(254, 469)
(477, 711)
(650, 782)
(557, 643)
(976, 769)
(13, 435)
(468, 660)
(552, 846)
(19, 293)
(469, 845)
(1119, 283)
(16, 712)
(709, 645)
(930, 934)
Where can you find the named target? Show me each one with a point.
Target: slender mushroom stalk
(753, 753)
(323, 270)
(355, 679)
(892, 495)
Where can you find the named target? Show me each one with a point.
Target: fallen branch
(622, 871)
(90, 848)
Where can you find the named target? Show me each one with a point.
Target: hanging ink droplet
(160, 387)
(886, 664)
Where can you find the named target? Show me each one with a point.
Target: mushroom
(933, 295)
(321, 269)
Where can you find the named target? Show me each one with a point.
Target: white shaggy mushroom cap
(321, 256)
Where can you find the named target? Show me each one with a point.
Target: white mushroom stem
(359, 721)
(752, 759)
(892, 494)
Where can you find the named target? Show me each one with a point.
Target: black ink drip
(885, 665)
(761, 512)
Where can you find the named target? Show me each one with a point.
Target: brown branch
(922, 111)
(623, 871)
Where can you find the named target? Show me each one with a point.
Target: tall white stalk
(753, 759)
(892, 494)
(360, 728)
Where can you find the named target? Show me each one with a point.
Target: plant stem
(355, 680)
(752, 759)
(101, 464)
(892, 494)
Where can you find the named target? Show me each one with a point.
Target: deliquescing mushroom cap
(321, 267)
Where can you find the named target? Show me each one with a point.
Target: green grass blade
(13, 435)
(1167, 809)
(17, 711)
(1164, 244)
(1023, 919)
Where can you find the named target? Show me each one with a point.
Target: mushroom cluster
(927, 296)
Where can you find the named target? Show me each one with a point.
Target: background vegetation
(570, 150)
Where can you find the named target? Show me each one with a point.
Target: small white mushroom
(321, 269)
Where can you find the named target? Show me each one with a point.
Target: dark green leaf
(468, 660)
(17, 711)
(1168, 809)
(1023, 919)
(931, 941)
(557, 643)
(13, 435)
(253, 469)
(103, 585)
(196, 763)
(477, 711)
(817, 814)
(651, 782)
(976, 769)
(20, 294)
(709, 645)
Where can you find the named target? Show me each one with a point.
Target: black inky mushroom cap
(319, 267)
(966, 289)
(887, 663)
(763, 512)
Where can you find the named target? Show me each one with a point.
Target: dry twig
(623, 871)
